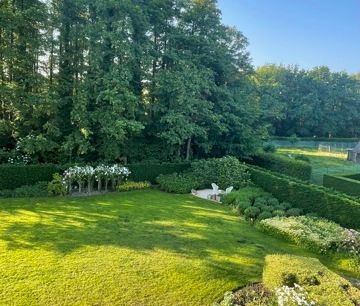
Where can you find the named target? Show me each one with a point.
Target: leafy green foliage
(56, 187)
(225, 172)
(309, 102)
(150, 171)
(340, 208)
(178, 183)
(282, 164)
(86, 81)
(130, 185)
(14, 176)
(323, 286)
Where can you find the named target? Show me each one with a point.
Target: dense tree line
(309, 103)
(140, 79)
(86, 80)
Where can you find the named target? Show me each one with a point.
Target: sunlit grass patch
(132, 248)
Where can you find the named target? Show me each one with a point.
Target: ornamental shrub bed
(290, 280)
(284, 165)
(349, 184)
(14, 176)
(317, 234)
(321, 285)
(326, 203)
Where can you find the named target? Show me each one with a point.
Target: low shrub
(269, 148)
(27, 191)
(225, 172)
(322, 286)
(178, 183)
(251, 295)
(283, 164)
(264, 207)
(317, 234)
(244, 195)
(14, 176)
(130, 185)
(56, 187)
(326, 203)
(150, 171)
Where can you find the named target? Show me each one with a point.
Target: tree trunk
(89, 185)
(188, 148)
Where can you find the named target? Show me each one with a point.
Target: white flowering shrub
(87, 175)
(350, 242)
(288, 296)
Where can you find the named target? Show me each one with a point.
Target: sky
(307, 33)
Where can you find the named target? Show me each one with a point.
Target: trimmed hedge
(284, 165)
(326, 203)
(323, 286)
(14, 176)
(348, 184)
(149, 172)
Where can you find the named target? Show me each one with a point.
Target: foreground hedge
(14, 176)
(284, 165)
(150, 171)
(323, 286)
(347, 184)
(322, 201)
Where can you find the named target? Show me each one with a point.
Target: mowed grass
(324, 162)
(134, 248)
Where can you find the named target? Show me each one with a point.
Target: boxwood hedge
(283, 164)
(325, 202)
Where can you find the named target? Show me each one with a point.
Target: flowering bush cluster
(87, 175)
(296, 295)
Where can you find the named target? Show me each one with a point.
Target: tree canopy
(86, 80)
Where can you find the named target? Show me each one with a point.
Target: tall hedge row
(326, 203)
(343, 183)
(14, 176)
(150, 171)
(283, 164)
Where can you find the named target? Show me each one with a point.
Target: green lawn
(324, 162)
(135, 248)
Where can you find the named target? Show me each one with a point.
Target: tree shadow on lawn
(142, 221)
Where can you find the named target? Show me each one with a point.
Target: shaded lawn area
(324, 163)
(134, 248)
